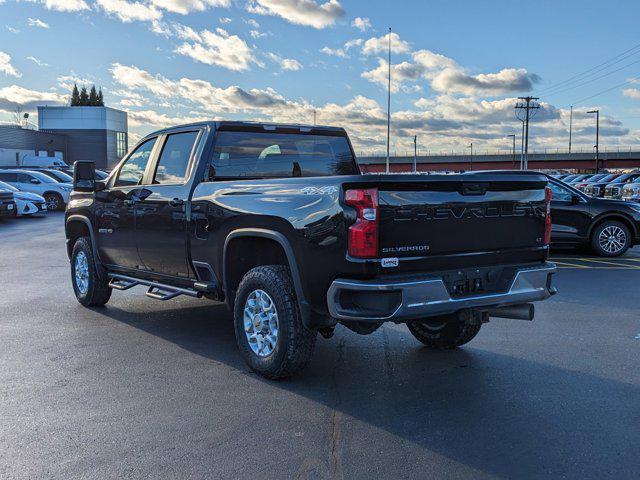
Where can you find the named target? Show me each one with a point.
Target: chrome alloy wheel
(612, 239)
(52, 202)
(82, 273)
(261, 323)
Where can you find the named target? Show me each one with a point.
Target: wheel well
(244, 253)
(617, 218)
(76, 229)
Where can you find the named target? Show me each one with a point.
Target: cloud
(257, 34)
(225, 20)
(216, 48)
(444, 75)
(291, 64)
(36, 22)
(336, 52)
(361, 23)
(161, 120)
(15, 96)
(6, 67)
(342, 52)
(300, 12)
(66, 5)
(381, 44)
(66, 82)
(632, 93)
(38, 61)
(130, 11)
(505, 81)
(184, 7)
(11, 29)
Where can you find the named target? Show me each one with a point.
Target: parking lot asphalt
(148, 389)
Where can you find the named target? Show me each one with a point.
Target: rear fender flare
(291, 260)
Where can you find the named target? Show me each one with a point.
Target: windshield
(610, 177)
(60, 176)
(42, 177)
(280, 155)
(6, 186)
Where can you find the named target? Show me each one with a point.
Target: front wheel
(611, 239)
(54, 201)
(271, 336)
(91, 290)
(442, 333)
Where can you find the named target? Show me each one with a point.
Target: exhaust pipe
(524, 311)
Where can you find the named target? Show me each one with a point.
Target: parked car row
(33, 190)
(615, 186)
(610, 227)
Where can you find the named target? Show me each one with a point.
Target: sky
(457, 66)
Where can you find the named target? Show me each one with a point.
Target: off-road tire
(439, 333)
(613, 224)
(49, 197)
(295, 343)
(98, 291)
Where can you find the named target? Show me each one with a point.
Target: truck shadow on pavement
(496, 413)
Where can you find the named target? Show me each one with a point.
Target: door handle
(176, 202)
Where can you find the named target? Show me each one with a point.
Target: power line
(604, 91)
(592, 80)
(595, 69)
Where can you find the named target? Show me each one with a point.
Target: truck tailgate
(442, 215)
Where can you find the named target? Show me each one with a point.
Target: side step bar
(157, 290)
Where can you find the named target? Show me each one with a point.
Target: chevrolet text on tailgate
(278, 222)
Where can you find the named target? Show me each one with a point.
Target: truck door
(161, 222)
(115, 210)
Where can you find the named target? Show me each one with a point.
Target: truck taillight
(363, 235)
(547, 219)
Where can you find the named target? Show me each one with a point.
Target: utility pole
(389, 102)
(415, 153)
(513, 150)
(522, 147)
(570, 127)
(527, 104)
(471, 157)
(597, 146)
(314, 117)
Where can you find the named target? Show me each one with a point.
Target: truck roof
(258, 126)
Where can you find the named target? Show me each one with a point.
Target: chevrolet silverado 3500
(277, 221)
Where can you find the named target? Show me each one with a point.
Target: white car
(26, 203)
(56, 194)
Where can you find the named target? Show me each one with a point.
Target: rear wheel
(611, 239)
(269, 330)
(442, 333)
(91, 290)
(54, 201)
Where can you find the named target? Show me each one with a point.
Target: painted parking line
(595, 263)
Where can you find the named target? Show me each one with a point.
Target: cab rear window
(279, 155)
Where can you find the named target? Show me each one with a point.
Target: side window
(8, 177)
(174, 159)
(24, 178)
(132, 170)
(559, 193)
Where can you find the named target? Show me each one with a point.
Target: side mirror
(84, 176)
(35, 181)
(575, 199)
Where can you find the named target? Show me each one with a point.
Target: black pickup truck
(278, 222)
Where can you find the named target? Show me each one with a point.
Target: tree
(75, 96)
(93, 96)
(100, 98)
(84, 97)
(17, 114)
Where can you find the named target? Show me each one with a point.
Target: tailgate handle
(473, 189)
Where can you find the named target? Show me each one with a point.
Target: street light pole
(415, 153)
(389, 102)
(597, 146)
(513, 150)
(471, 157)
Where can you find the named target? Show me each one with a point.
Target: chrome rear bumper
(422, 298)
